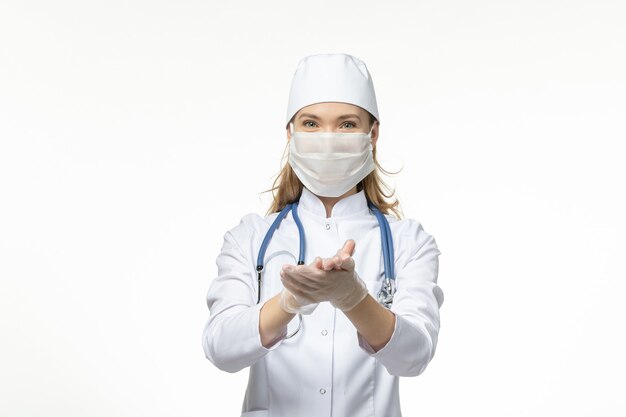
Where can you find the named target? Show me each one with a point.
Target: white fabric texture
(327, 368)
(331, 77)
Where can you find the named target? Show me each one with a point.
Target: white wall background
(133, 134)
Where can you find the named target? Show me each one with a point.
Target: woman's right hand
(292, 304)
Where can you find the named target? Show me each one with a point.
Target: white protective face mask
(329, 164)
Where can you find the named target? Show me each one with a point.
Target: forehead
(330, 109)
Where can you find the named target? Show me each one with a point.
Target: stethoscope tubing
(296, 218)
(385, 235)
(387, 245)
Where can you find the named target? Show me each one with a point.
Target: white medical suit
(327, 368)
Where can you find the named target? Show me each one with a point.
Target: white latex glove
(333, 279)
(293, 304)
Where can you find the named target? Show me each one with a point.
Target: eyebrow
(342, 117)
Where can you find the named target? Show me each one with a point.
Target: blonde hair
(287, 187)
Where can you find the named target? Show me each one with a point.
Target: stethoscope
(385, 295)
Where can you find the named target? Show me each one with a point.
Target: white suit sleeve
(415, 304)
(231, 338)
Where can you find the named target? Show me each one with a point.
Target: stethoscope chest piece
(385, 295)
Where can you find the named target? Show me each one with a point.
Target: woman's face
(333, 117)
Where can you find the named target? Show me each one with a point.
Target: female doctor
(331, 297)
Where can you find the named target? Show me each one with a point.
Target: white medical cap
(331, 77)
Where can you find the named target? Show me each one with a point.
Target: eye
(308, 121)
(349, 123)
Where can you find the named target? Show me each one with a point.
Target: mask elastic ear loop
(370, 134)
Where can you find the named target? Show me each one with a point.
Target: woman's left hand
(333, 279)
